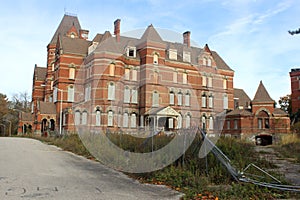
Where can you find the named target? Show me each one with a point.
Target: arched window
(125, 120)
(179, 121)
(110, 118)
(155, 98)
(134, 95)
(179, 98)
(133, 120)
(187, 121)
(72, 73)
(112, 69)
(84, 118)
(77, 117)
(72, 35)
(111, 91)
(172, 98)
(203, 100)
(98, 118)
(155, 59)
(71, 93)
(126, 95)
(211, 123)
(203, 120)
(187, 98)
(210, 101)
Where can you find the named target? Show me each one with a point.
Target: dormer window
(131, 52)
(173, 54)
(186, 56)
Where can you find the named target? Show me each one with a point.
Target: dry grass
(290, 147)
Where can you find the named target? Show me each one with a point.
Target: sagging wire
(243, 176)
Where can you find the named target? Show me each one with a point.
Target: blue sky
(250, 35)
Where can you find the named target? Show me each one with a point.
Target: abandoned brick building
(115, 82)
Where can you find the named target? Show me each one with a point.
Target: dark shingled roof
(221, 64)
(241, 112)
(101, 37)
(151, 35)
(74, 45)
(262, 94)
(66, 23)
(47, 108)
(108, 43)
(244, 99)
(279, 112)
(40, 73)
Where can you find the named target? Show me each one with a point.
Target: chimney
(117, 24)
(186, 38)
(83, 34)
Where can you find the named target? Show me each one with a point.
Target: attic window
(186, 56)
(72, 35)
(131, 52)
(173, 54)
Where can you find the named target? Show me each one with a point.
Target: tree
(285, 104)
(3, 105)
(21, 101)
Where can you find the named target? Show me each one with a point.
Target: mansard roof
(47, 107)
(40, 73)
(66, 23)
(262, 95)
(74, 45)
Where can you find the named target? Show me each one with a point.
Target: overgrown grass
(197, 178)
(290, 147)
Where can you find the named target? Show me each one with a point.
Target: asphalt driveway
(30, 169)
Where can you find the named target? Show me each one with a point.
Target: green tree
(285, 104)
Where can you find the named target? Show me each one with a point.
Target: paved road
(30, 169)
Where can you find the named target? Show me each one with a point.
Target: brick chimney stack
(186, 38)
(117, 24)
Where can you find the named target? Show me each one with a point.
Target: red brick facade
(120, 83)
(260, 118)
(295, 88)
